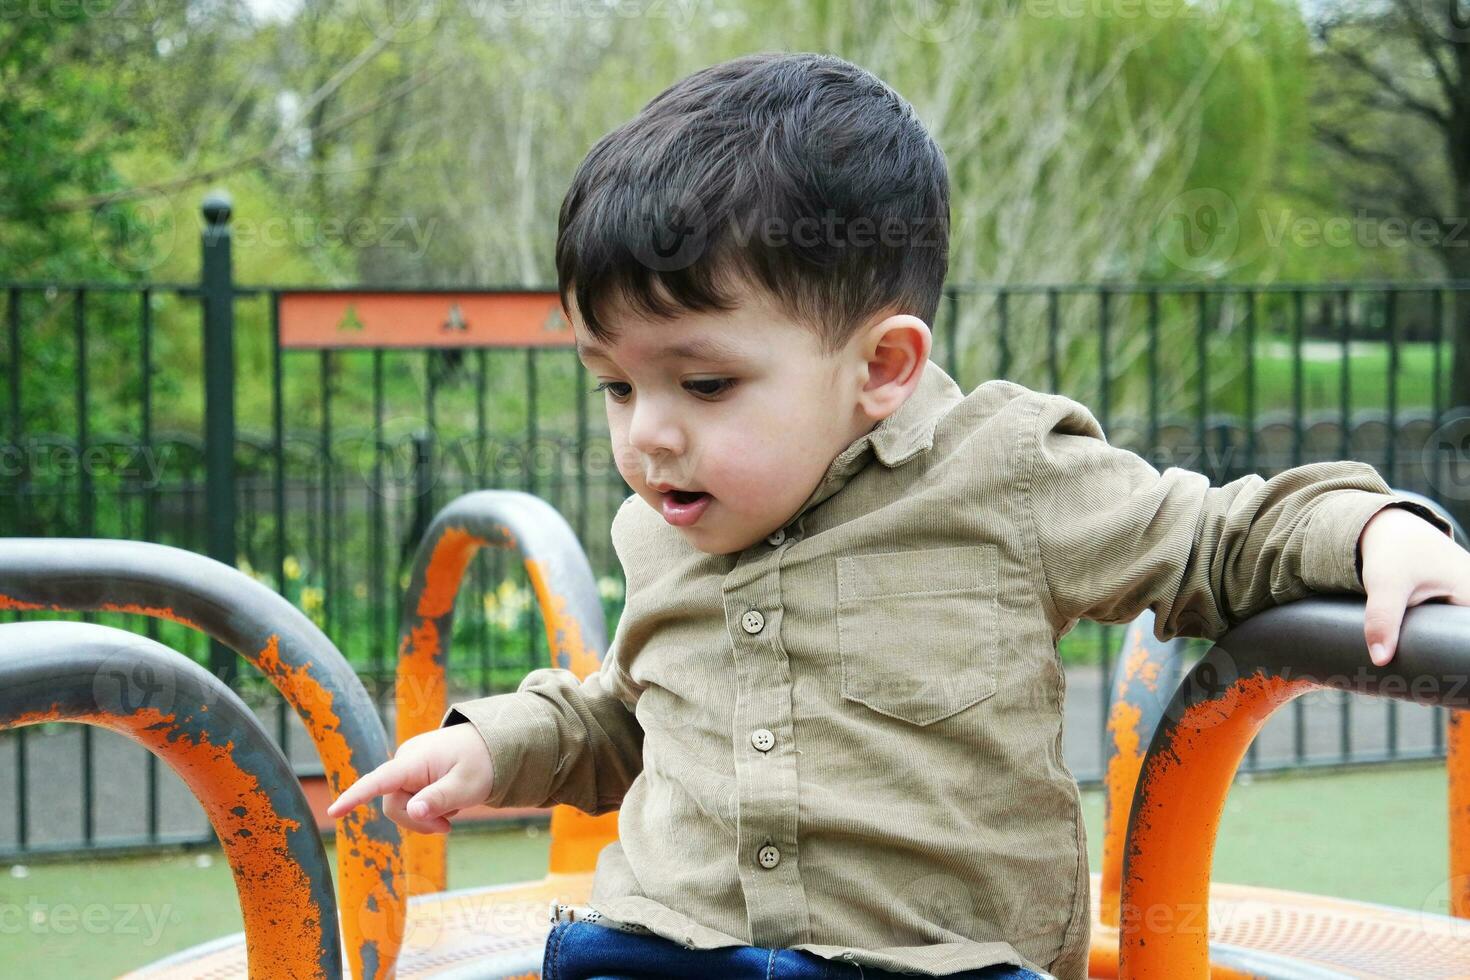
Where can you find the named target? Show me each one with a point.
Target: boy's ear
(895, 349)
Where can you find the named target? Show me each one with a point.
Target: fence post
(217, 289)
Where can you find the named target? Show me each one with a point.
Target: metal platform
(495, 933)
(498, 933)
(1289, 935)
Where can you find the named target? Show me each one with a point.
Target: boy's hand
(1406, 561)
(429, 779)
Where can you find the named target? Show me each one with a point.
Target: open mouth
(683, 508)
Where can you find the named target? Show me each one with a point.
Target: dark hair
(801, 173)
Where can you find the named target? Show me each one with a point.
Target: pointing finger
(383, 779)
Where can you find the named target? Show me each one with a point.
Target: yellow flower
(311, 599)
(291, 567)
(360, 590)
(508, 618)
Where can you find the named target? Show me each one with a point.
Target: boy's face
(724, 423)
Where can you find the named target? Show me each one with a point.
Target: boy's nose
(655, 433)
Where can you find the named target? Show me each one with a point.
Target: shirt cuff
(1331, 561)
(523, 742)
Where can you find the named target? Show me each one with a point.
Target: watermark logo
(126, 683)
(135, 235)
(1199, 230)
(671, 231)
(1446, 459)
(1437, 926)
(936, 21)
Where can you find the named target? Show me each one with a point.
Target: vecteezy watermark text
(133, 462)
(36, 917)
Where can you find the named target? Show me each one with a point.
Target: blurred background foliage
(430, 143)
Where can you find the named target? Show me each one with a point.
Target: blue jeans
(587, 951)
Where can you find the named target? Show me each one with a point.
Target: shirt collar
(907, 433)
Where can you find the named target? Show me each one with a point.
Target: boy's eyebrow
(699, 349)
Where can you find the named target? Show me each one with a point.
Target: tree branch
(259, 157)
(1415, 194)
(1355, 59)
(1429, 41)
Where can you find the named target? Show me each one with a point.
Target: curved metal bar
(1147, 672)
(70, 574)
(1224, 700)
(96, 675)
(576, 633)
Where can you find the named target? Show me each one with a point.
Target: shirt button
(753, 621)
(775, 539)
(762, 739)
(768, 856)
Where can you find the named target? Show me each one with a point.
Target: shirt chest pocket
(916, 630)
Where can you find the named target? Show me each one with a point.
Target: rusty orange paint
(419, 689)
(1102, 958)
(421, 696)
(12, 604)
(1457, 769)
(1163, 920)
(1122, 774)
(282, 922)
(1120, 780)
(577, 839)
(1102, 953)
(508, 537)
(362, 863)
(451, 556)
(1141, 665)
(156, 612)
(563, 632)
(421, 699)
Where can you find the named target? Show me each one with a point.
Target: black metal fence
(172, 413)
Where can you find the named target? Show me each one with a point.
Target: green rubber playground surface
(1377, 835)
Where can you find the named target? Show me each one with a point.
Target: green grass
(1368, 375)
(1376, 835)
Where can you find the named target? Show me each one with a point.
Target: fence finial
(217, 206)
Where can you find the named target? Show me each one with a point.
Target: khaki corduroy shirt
(848, 738)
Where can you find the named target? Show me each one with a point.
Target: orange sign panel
(422, 319)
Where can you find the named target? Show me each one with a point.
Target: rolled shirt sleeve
(1114, 536)
(558, 739)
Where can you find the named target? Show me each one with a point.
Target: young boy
(832, 710)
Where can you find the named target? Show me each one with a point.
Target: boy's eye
(613, 388)
(710, 387)
(704, 387)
